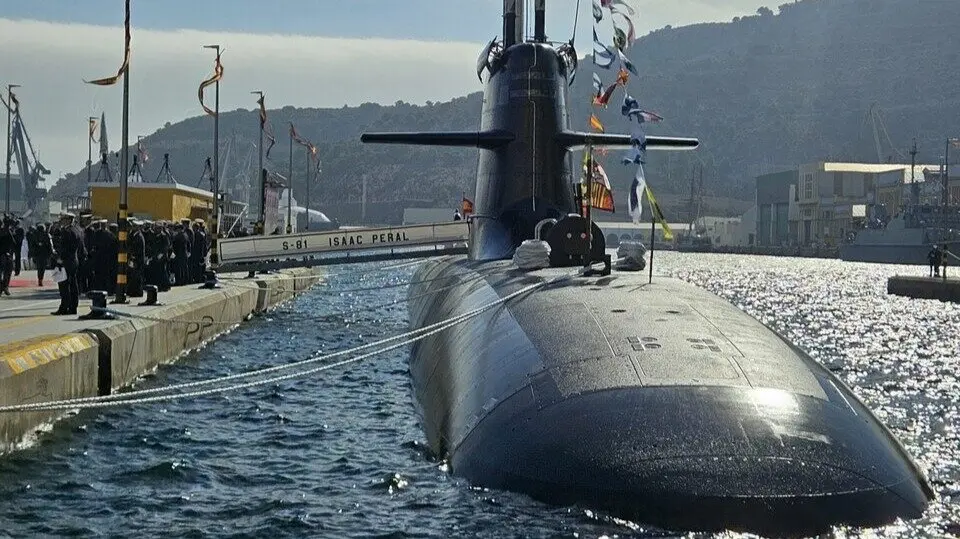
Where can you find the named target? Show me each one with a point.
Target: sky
(305, 53)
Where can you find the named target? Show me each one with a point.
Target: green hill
(762, 93)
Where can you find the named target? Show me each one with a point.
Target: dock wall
(110, 354)
(925, 288)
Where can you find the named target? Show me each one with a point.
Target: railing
(264, 248)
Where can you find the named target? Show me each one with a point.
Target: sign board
(257, 248)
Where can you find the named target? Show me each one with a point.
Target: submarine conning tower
(524, 175)
(530, 179)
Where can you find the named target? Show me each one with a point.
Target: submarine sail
(658, 402)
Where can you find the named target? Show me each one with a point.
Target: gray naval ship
(907, 237)
(659, 403)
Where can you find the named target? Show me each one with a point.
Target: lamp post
(10, 87)
(215, 227)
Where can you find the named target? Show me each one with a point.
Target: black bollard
(151, 291)
(98, 310)
(211, 281)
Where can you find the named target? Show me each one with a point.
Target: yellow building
(152, 201)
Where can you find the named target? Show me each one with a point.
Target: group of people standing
(937, 258)
(84, 253)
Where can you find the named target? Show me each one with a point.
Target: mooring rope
(135, 397)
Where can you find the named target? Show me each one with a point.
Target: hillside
(762, 93)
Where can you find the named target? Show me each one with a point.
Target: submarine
(656, 402)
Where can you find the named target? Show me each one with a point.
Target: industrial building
(822, 202)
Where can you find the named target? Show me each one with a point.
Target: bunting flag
(110, 81)
(658, 215)
(602, 55)
(623, 35)
(267, 130)
(93, 129)
(595, 123)
(636, 195)
(300, 140)
(217, 75)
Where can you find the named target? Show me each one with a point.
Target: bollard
(98, 309)
(151, 291)
(211, 281)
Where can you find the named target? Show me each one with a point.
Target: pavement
(25, 314)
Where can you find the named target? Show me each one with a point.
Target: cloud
(51, 61)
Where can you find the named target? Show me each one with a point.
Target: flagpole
(121, 291)
(290, 183)
(307, 148)
(260, 175)
(653, 241)
(589, 257)
(90, 121)
(215, 225)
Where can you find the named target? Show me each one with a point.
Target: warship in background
(907, 237)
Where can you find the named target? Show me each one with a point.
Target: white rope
(532, 255)
(132, 397)
(631, 256)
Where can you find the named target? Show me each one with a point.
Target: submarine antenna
(576, 22)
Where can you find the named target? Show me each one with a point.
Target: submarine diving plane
(659, 403)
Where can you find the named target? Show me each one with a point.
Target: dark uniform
(198, 254)
(18, 236)
(181, 253)
(6, 255)
(41, 249)
(137, 255)
(72, 251)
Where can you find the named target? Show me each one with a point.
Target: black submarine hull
(659, 403)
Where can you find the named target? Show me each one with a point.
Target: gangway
(342, 246)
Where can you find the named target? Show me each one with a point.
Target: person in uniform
(136, 256)
(6, 254)
(181, 253)
(198, 252)
(18, 237)
(72, 251)
(41, 249)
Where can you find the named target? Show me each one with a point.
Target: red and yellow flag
(110, 81)
(595, 123)
(217, 75)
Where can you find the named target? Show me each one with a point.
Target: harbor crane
(31, 171)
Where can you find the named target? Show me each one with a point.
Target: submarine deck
(645, 399)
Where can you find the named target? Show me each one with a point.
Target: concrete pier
(925, 287)
(45, 358)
